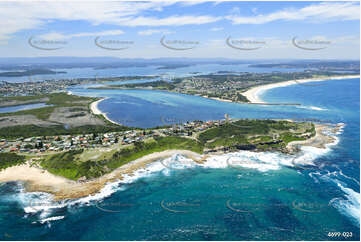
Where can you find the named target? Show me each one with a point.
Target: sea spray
(350, 205)
(44, 205)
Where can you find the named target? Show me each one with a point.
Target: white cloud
(235, 11)
(59, 36)
(314, 12)
(175, 20)
(154, 31)
(215, 3)
(216, 29)
(25, 15)
(191, 3)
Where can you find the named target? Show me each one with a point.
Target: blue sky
(331, 29)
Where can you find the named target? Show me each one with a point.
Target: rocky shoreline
(40, 180)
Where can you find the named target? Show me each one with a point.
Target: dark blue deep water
(270, 201)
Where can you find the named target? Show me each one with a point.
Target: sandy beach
(94, 107)
(95, 110)
(253, 94)
(40, 180)
(218, 99)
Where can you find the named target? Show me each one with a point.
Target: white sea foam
(35, 202)
(51, 219)
(348, 177)
(312, 108)
(106, 191)
(262, 161)
(341, 127)
(314, 175)
(178, 162)
(349, 206)
(43, 203)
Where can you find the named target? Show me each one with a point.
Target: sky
(193, 29)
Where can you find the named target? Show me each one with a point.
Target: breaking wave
(349, 205)
(312, 108)
(43, 205)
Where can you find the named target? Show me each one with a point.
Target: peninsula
(239, 88)
(73, 166)
(76, 146)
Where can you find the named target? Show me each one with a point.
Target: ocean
(176, 199)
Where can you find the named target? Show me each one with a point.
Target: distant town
(224, 85)
(33, 88)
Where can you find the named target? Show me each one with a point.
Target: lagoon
(12, 109)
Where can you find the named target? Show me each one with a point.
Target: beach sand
(253, 94)
(95, 110)
(40, 180)
(218, 99)
(94, 107)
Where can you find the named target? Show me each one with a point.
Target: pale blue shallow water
(17, 108)
(147, 70)
(214, 201)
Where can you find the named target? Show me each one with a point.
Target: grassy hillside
(71, 164)
(10, 159)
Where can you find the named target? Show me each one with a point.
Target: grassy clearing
(33, 130)
(10, 159)
(55, 99)
(80, 163)
(264, 134)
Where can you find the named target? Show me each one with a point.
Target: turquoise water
(176, 199)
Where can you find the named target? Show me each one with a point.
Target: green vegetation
(68, 164)
(71, 165)
(258, 135)
(29, 73)
(78, 106)
(141, 149)
(224, 85)
(56, 100)
(33, 130)
(10, 159)
(160, 85)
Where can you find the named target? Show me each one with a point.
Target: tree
(95, 135)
